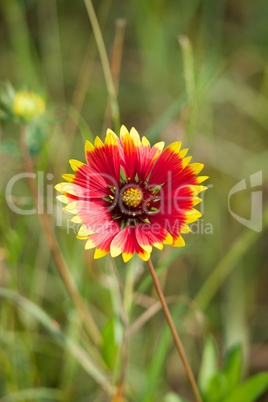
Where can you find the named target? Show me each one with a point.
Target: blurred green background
(190, 70)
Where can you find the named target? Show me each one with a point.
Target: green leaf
(33, 394)
(217, 388)
(171, 397)
(208, 364)
(233, 366)
(250, 390)
(123, 176)
(109, 346)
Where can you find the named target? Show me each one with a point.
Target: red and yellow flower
(130, 196)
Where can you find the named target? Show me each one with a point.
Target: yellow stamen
(132, 197)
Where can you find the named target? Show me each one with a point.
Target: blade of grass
(52, 66)
(82, 83)
(188, 66)
(153, 132)
(81, 88)
(157, 364)
(52, 326)
(116, 60)
(33, 394)
(244, 242)
(60, 262)
(190, 82)
(25, 56)
(105, 63)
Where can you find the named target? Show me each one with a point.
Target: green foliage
(225, 385)
(222, 382)
(209, 90)
(171, 397)
(250, 390)
(232, 366)
(36, 137)
(109, 345)
(208, 365)
(34, 394)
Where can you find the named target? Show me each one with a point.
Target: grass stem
(105, 63)
(116, 61)
(55, 249)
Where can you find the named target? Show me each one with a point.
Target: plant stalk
(105, 63)
(176, 338)
(61, 265)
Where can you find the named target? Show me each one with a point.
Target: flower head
(130, 196)
(27, 105)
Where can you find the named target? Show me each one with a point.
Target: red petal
(105, 161)
(125, 242)
(146, 158)
(93, 214)
(171, 223)
(167, 165)
(149, 235)
(102, 239)
(128, 156)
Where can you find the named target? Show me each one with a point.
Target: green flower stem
(61, 265)
(105, 63)
(176, 338)
(122, 356)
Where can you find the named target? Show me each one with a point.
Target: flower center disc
(132, 197)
